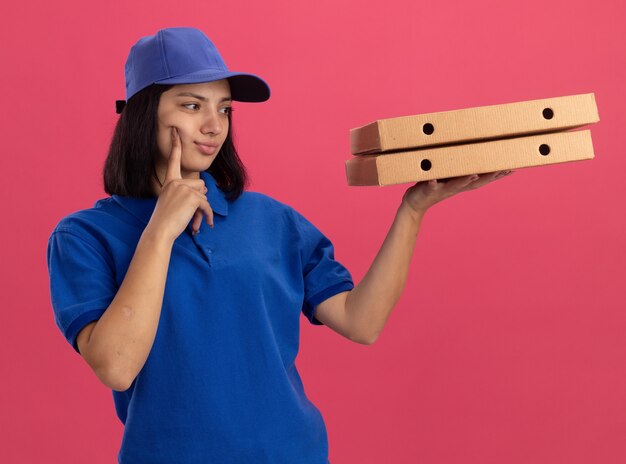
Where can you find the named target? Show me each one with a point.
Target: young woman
(183, 292)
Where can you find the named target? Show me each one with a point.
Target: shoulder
(88, 223)
(270, 204)
(277, 218)
(263, 198)
(298, 227)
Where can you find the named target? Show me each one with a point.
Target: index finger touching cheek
(174, 161)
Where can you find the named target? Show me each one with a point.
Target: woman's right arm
(118, 344)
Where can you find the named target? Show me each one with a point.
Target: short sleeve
(82, 282)
(323, 275)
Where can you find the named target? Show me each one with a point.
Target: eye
(228, 110)
(190, 104)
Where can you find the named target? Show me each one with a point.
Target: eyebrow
(200, 97)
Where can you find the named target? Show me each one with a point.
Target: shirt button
(210, 251)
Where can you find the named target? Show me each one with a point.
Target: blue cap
(185, 55)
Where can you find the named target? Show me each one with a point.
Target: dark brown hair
(130, 163)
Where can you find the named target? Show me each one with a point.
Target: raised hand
(180, 199)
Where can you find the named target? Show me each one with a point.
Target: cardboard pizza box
(475, 124)
(470, 158)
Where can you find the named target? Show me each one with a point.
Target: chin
(200, 165)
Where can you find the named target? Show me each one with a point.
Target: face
(201, 116)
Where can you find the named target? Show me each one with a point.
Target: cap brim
(243, 86)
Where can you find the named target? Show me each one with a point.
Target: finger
(488, 178)
(201, 184)
(197, 220)
(460, 183)
(470, 180)
(173, 163)
(206, 209)
(502, 174)
(196, 184)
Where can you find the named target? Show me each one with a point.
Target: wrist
(157, 236)
(415, 214)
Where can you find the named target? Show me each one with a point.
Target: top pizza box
(475, 124)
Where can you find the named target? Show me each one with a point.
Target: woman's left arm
(369, 304)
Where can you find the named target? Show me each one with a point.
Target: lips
(207, 148)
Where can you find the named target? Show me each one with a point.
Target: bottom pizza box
(469, 158)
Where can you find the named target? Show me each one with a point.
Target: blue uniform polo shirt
(220, 384)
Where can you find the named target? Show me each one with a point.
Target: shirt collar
(142, 208)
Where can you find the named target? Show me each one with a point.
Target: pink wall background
(509, 341)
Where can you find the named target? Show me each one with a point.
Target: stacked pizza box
(472, 141)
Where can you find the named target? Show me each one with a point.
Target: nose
(212, 123)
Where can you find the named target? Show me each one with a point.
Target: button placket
(207, 248)
(209, 254)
